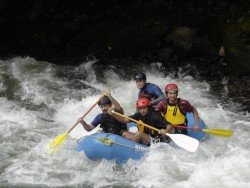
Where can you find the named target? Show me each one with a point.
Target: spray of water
(40, 101)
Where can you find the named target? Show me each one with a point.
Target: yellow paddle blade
(59, 140)
(219, 132)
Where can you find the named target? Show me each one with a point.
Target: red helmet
(143, 102)
(171, 86)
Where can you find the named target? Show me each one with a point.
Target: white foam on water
(25, 133)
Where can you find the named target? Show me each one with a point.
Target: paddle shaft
(184, 127)
(215, 132)
(73, 125)
(183, 141)
(139, 122)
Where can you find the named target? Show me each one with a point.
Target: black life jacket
(149, 119)
(110, 125)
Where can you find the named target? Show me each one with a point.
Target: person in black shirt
(149, 116)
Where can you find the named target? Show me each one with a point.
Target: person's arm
(170, 129)
(160, 98)
(87, 127)
(196, 118)
(159, 120)
(156, 90)
(115, 104)
(161, 107)
(121, 119)
(190, 108)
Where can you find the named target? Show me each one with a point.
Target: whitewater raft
(113, 147)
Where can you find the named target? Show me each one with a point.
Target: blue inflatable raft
(113, 147)
(199, 135)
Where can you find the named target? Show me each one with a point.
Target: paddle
(183, 141)
(215, 132)
(59, 140)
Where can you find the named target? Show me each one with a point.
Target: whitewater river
(40, 100)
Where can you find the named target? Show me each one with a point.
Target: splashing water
(40, 101)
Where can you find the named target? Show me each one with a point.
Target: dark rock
(165, 54)
(36, 11)
(174, 32)
(182, 38)
(3, 5)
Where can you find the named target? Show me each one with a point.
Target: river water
(40, 100)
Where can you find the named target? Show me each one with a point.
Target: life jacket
(143, 93)
(175, 116)
(110, 125)
(148, 119)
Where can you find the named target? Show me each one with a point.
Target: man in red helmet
(148, 90)
(107, 122)
(147, 115)
(174, 109)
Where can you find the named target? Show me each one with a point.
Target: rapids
(40, 100)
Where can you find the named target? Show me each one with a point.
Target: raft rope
(107, 141)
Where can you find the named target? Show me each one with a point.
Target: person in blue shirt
(148, 90)
(107, 122)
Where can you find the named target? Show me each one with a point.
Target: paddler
(146, 114)
(148, 90)
(174, 110)
(107, 122)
